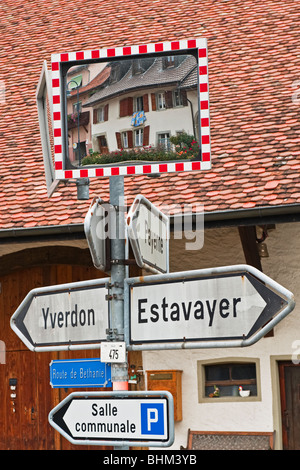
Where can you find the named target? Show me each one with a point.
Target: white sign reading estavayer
(224, 307)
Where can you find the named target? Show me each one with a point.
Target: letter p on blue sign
(152, 419)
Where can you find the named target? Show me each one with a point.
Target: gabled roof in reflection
(156, 75)
(99, 80)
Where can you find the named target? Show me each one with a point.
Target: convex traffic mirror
(131, 110)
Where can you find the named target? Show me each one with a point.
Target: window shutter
(146, 135)
(169, 101)
(130, 139)
(129, 106)
(153, 101)
(106, 112)
(119, 140)
(122, 107)
(146, 103)
(95, 112)
(126, 107)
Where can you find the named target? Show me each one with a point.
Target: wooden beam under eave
(249, 244)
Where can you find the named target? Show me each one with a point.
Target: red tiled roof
(254, 63)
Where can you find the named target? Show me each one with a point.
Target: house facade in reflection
(131, 104)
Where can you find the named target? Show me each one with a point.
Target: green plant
(183, 140)
(186, 147)
(146, 154)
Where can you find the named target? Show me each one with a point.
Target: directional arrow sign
(114, 418)
(219, 307)
(148, 231)
(66, 316)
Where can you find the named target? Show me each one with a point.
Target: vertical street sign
(96, 228)
(62, 317)
(116, 418)
(148, 232)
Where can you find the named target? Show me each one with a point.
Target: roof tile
(271, 184)
(254, 121)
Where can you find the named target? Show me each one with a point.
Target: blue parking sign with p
(152, 419)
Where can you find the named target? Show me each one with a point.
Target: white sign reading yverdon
(58, 316)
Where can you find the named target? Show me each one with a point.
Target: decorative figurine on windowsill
(244, 393)
(216, 392)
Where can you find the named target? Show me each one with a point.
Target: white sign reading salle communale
(113, 418)
(56, 317)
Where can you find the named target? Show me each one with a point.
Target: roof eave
(254, 216)
(261, 215)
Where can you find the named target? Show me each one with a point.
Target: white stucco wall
(223, 247)
(167, 120)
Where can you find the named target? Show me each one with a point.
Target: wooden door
(25, 391)
(289, 375)
(102, 142)
(26, 402)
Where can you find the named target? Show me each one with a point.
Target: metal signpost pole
(117, 251)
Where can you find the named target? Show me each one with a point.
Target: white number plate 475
(113, 352)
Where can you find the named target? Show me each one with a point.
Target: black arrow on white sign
(132, 418)
(65, 316)
(217, 307)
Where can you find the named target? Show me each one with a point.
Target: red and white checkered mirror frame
(199, 44)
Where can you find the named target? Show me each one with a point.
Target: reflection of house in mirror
(143, 103)
(81, 80)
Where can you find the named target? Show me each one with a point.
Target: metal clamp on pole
(114, 297)
(114, 335)
(124, 262)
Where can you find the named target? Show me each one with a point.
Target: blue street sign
(74, 373)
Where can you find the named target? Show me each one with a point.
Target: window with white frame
(138, 137)
(124, 137)
(138, 104)
(163, 140)
(177, 98)
(100, 114)
(161, 100)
